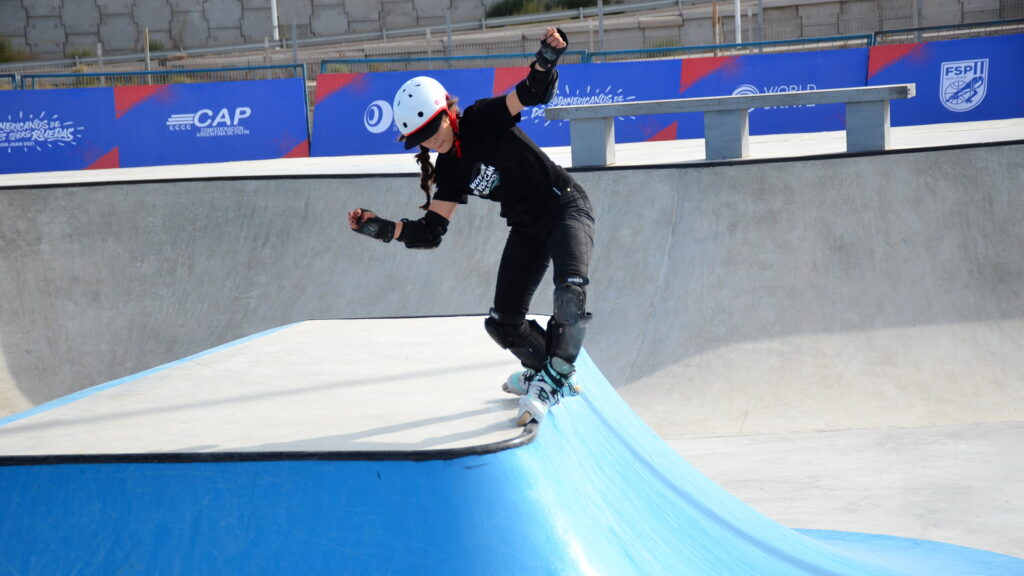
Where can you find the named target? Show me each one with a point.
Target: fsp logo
(964, 84)
(206, 118)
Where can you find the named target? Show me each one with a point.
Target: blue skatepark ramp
(368, 447)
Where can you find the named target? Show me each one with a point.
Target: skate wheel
(524, 419)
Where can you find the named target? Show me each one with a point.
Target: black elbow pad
(425, 232)
(538, 87)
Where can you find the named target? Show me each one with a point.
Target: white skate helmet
(418, 106)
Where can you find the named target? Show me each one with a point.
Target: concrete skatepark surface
(323, 386)
(771, 320)
(157, 474)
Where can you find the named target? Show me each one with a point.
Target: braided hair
(426, 173)
(423, 156)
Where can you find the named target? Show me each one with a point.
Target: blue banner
(957, 80)
(609, 83)
(214, 122)
(771, 74)
(353, 111)
(44, 130)
(583, 84)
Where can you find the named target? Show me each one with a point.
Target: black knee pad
(525, 339)
(568, 325)
(570, 304)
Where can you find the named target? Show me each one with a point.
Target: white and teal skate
(518, 383)
(544, 390)
(534, 405)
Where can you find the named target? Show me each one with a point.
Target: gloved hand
(367, 223)
(552, 46)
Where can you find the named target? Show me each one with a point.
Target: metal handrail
(12, 78)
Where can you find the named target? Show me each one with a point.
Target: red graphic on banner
(111, 159)
(128, 97)
(666, 133)
(506, 78)
(300, 151)
(881, 57)
(328, 84)
(695, 69)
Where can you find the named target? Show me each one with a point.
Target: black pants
(527, 255)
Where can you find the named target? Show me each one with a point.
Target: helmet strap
(453, 120)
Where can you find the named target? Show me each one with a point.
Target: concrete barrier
(753, 298)
(726, 120)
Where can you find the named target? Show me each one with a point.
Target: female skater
(481, 152)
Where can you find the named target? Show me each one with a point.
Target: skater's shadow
(458, 431)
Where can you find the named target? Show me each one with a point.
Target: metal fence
(363, 65)
(664, 29)
(497, 48)
(105, 78)
(933, 33)
(778, 26)
(776, 46)
(652, 36)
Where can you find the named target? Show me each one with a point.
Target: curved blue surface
(914, 556)
(597, 493)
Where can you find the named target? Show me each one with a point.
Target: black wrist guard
(538, 87)
(425, 232)
(377, 228)
(548, 56)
